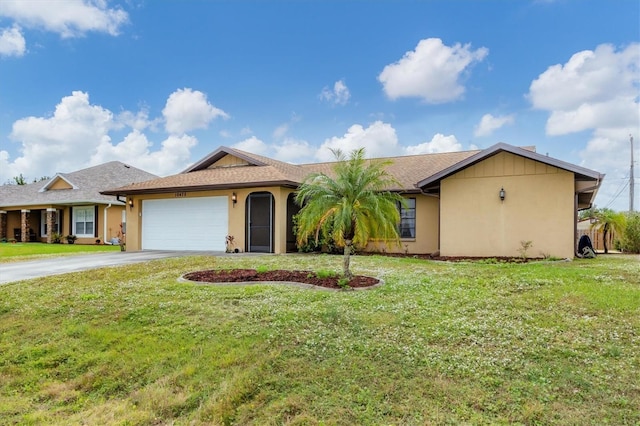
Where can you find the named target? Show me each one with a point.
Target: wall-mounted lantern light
(234, 198)
(130, 203)
(502, 194)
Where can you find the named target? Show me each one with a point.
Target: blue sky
(161, 84)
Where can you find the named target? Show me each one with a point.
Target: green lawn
(12, 252)
(439, 343)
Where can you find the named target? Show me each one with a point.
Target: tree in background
(607, 221)
(631, 238)
(352, 207)
(19, 180)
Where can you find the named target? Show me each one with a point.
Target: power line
(615, 197)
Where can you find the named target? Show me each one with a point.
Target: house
(471, 203)
(68, 204)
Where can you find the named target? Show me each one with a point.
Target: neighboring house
(68, 204)
(471, 203)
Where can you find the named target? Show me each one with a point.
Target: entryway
(260, 216)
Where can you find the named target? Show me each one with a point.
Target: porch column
(50, 224)
(3, 225)
(24, 226)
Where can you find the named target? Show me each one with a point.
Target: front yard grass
(438, 343)
(13, 252)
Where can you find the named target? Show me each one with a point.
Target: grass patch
(439, 343)
(13, 252)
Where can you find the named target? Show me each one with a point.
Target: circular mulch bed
(303, 277)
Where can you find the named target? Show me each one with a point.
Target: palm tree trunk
(346, 261)
(604, 240)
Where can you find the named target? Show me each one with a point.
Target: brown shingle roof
(265, 171)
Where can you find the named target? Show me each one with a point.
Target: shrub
(324, 273)
(631, 235)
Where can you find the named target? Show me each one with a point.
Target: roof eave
(503, 147)
(200, 188)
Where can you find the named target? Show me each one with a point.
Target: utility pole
(631, 179)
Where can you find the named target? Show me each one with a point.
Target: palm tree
(608, 220)
(351, 207)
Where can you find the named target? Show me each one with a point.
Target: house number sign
(181, 194)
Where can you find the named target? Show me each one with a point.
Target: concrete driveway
(17, 271)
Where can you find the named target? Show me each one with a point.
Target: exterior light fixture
(502, 194)
(234, 198)
(130, 203)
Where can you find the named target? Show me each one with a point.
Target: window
(43, 222)
(407, 227)
(83, 221)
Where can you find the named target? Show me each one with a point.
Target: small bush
(631, 236)
(344, 283)
(324, 273)
(262, 269)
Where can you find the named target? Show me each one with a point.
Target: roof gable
(224, 157)
(580, 172)
(58, 182)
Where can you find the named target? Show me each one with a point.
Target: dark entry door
(260, 222)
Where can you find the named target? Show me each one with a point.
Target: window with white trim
(43, 222)
(407, 228)
(83, 221)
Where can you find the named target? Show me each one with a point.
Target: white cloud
(379, 140)
(432, 71)
(63, 140)
(187, 110)
(138, 120)
(281, 131)
(339, 95)
(12, 42)
(294, 151)
(253, 145)
(78, 135)
(597, 91)
(69, 18)
(439, 143)
(488, 124)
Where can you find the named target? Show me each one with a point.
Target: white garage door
(185, 223)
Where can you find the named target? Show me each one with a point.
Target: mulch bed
(498, 259)
(251, 275)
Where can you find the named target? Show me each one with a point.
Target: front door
(260, 222)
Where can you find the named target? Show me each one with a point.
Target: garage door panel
(185, 224)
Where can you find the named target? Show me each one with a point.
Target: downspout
(104, 236)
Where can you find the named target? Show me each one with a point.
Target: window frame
(407, 214)
(92, 215)
(44, 232)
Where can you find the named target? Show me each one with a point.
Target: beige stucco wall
(237, 213)
(426, 240)
(539, 207)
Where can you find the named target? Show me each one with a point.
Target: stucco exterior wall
(538, 207)
(237, 215)
(427, 224)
